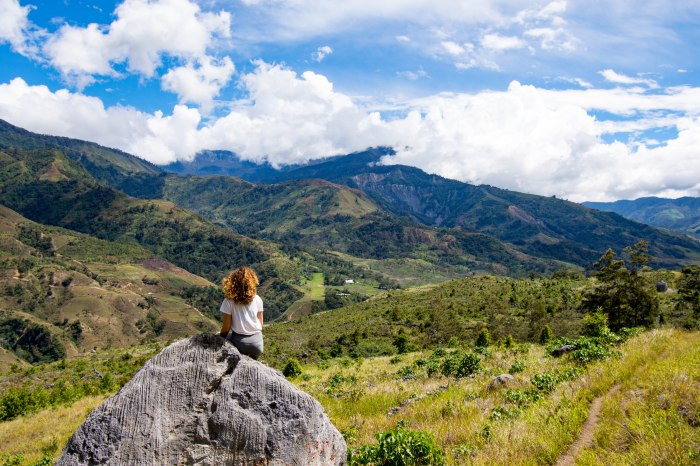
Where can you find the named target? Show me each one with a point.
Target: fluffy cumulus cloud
(142, 33)
(14, 25)
(524, 138)
(199, 83)
(152, 136)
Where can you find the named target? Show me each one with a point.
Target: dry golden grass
(45, 432)
(459, 416)
(653, 419)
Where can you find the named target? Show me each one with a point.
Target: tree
(689, 291)
(546, 335)
(627, 297)
(483, 339)
(401, 343)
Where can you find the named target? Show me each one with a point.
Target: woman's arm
(226, 326)
(260, 318)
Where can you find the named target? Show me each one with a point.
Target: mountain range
(100, 248)
(682, 214)
(543, 227)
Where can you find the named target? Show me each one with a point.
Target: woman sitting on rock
(243, 310)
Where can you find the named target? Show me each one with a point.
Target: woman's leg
(250, 345)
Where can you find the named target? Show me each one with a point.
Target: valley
(393, 296)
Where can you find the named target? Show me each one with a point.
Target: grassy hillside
(28, 179)
(649, 416)
(433, 315)
(77, 292)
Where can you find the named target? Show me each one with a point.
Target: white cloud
(151, 136)
(199, 84)
(499, 43)
(321, 53)
(553, 39)
(524, 138)
(413, 75)
(141, 34)
(617, 78)
(452, 48)
(16, 29)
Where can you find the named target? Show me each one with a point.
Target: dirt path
(586, 438)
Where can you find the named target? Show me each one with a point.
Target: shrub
(546, 335)
(548, 381)
(502, 413)
(483, 339)
(461, 364)
(510, 342)
(522, 398)
(292, 368)
(517, 366)
(401, 343)
(400, 447)
(595, 325)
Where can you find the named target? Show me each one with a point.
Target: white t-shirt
(244, 317)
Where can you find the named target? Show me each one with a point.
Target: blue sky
(585, 100)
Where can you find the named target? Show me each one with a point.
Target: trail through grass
(653, 419)
(313, 290)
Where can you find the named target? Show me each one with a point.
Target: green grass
(458, 411)
(652, 419)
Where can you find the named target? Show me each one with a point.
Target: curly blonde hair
(241, 285)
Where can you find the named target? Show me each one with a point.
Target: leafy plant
(483, 339)
(292, 368)
(461, 364)
(546, 335)
(399, 447)
(517, 366)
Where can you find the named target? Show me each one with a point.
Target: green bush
(292, 368)
(461, 364)
(546, 335)
(548, 381)
(510, 342)
(595, 325)
(502, 413)
(483, 339)
(522, 398)
(517, 366)
(399, 447)
(401, 343)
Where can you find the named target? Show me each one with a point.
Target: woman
(243, 312)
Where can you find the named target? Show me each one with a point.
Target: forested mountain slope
(682, 214)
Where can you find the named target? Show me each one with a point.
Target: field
(654, 418)
(313, 291)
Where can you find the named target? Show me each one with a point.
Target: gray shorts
(250, 345)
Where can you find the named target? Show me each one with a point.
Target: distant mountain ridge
(682, 214)
(364, 210)
(538, 226)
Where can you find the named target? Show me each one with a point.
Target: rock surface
(562, 350)
(200, 402)
(503, 380)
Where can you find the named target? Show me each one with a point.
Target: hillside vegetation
(64, 293)
(653, 418)
(682, 214)
(543, 227)
(432, 316)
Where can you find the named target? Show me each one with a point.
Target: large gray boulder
(200, 402)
